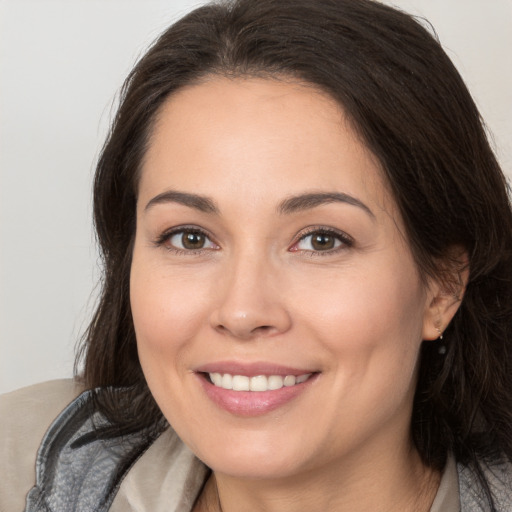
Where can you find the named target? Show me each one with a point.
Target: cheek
(355, 302)
(168, 308)
(371, 322)
(371, 329)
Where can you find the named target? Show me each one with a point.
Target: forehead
(258, 139)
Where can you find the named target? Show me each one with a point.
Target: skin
(260, 291)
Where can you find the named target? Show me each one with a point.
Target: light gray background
(61, 64)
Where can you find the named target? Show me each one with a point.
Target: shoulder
(498, 475)
(84, 457)
(26, 415)
(61, 452)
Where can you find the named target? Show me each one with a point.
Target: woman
(307, 245)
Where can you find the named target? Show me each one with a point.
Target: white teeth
(289, 380)
(227, 381)
(258, 383)
(216, 379)
(275, 382)
(302, 378)
(240, 383)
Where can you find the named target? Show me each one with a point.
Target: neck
(397, 483)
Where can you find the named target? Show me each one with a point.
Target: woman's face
(269, 252)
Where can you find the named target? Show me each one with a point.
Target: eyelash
(162, 240)
(346, 240)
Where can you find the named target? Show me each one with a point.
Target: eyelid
(165, 236)
(345, 239)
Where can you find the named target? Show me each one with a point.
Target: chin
(250, 457)
(247, 467)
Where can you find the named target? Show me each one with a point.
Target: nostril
(262, 328)
(245, 332)
(260, 319)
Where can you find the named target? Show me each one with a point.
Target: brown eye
(190, 240)
(322, 242)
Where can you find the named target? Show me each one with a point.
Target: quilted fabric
(78, 470)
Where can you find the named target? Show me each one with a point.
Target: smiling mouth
(258, 383)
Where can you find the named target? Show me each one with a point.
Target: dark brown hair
(412, 109)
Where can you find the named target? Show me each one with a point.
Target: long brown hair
(412, 109)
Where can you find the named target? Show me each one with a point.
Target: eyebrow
(201, 203)
(290, 205)
(312, 200)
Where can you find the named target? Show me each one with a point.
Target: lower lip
(253, 403)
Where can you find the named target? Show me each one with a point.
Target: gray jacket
(77, 469)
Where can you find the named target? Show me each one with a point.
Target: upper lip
(251, 369)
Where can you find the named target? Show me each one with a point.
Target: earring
(441, 349)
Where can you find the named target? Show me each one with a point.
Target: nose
(251, 302)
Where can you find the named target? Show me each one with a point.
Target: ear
(445, 293)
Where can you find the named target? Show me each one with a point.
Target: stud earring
(441, 349)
